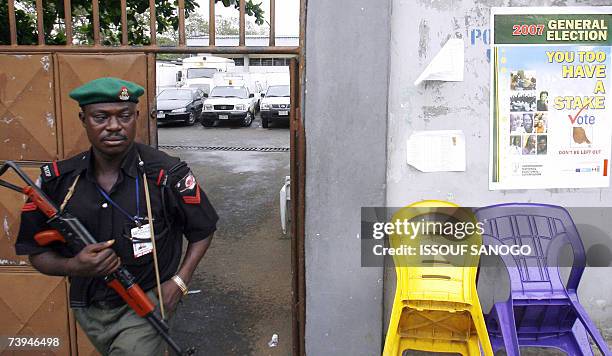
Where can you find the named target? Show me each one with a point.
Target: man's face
(527, 120)
(110, 127)
(542, 145)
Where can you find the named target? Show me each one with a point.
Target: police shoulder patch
(189, 189)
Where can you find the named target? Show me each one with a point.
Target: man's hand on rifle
(95, 260)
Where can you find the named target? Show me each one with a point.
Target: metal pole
(96, 22)
(124, 27)
(181, 13)
(211, 23)
(12, 23)
(272, 23)
(152, 22)
(39, 22)
(68, 21)
(242, 24)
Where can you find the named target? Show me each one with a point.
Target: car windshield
(201, 72)
(229, 92)
(175, 94)
(278, 90)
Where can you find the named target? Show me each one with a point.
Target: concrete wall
(347, 53)
(419, 29)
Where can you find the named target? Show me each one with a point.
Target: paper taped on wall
(447, 65)
(437, 151)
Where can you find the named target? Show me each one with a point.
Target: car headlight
(208, 107)
(180, 110)
(265, 106)
(241, 107)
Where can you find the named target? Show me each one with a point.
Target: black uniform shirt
(187, 212)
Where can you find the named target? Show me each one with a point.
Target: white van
(198, 71)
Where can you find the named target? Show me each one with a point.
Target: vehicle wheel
(264, 123)
(191, 120)
(248, 119)
(207, 123)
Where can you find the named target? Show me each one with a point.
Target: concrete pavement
(245, 277)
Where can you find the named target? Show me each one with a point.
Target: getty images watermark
(458, 231)
(458, 236)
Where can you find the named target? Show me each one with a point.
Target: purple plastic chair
(541, 311)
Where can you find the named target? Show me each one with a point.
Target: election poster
(550, 98)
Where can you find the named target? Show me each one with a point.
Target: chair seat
(436, 325)
(532, 319)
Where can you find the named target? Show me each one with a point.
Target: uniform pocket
(127, 241)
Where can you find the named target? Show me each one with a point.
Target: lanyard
(135, 218)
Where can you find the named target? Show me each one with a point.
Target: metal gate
(38, 124)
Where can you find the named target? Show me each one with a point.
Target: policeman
(104, 188)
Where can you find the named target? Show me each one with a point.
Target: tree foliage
(110, 19)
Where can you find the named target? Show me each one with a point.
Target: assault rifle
(66, 226)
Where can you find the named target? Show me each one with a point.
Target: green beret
(107, 90)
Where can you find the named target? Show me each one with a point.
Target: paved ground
(245, 277)
(226, 134)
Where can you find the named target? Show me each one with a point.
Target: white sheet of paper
(447, 65)
(437, 151)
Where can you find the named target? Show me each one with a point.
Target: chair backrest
(431, 278)
(546, 229)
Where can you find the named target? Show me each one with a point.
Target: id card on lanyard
(141, 234)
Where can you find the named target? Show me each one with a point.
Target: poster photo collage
(528, 114)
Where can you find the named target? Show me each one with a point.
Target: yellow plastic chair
(436, 306)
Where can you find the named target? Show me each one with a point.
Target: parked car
(229, 103)
(180, 104)
(252, 81)
(275, 105)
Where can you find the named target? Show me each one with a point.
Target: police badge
(124, 94)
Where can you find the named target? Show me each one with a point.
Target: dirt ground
(245, 277)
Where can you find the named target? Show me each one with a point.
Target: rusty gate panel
(69, 66)
(77, 69)
(10, 212)
(36, 306)
(28, 127)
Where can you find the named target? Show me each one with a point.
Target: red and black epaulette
(50, 171)
(55, 169)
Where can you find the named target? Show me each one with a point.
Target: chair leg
(392, 340)
(580, 341)
(497, 343)
(481, 329)
(590, 327)
(507, 325)
(473, 347)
